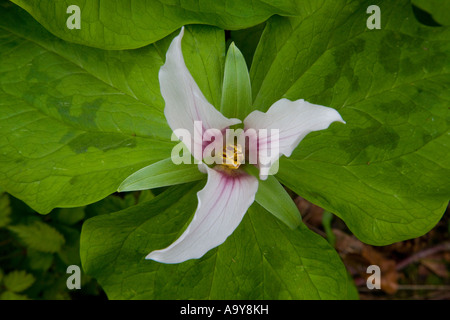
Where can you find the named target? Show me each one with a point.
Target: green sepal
(274, 198)
(161, 174)
(236, 93)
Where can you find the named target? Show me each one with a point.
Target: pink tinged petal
(294, 120)
(222, 204)
(184, 101)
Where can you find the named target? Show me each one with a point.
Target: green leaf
(161, 174)
(76, 121)
(262, 259)
(384, 171)
(439, 9)
(237, 92)
(18, 281)
(125, 25)
(39, 236)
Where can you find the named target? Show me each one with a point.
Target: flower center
(232, 156)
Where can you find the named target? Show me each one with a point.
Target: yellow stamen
(232, 156)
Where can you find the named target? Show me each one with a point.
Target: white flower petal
(184, 101)
(294, 120)
(222, 204)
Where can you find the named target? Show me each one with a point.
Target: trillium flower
(229, 190)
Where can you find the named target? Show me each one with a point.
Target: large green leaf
(76, 121)
(263, 259)
(125, 24)
(385, 172)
